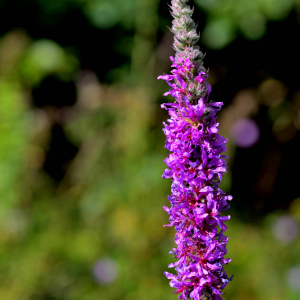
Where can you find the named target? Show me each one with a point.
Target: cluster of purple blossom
(196, 166)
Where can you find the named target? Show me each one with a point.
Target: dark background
(82, 150)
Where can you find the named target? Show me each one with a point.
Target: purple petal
(169, 275)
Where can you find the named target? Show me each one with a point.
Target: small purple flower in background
(285, 229)
(105, 271)
(293, 278)
(196, 166)
(245, 133)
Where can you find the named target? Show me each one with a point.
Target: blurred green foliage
(228, 17)
(106, 14)
(108, 204)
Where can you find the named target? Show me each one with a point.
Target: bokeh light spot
(47, 55)
(105, 271)
(103, 14)
(285, 229)
(245, 133)
(293, 278)
(272, 92)
(218, 33)
(253, 25)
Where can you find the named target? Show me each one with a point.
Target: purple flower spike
(196, 166)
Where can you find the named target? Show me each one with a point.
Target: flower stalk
(196, 166)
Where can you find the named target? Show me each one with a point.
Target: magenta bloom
(196, 166)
